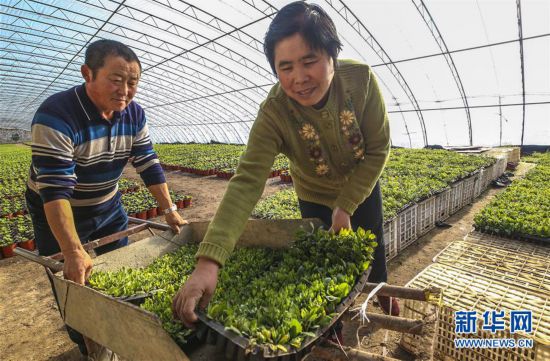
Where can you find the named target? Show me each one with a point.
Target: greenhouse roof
(452, 72)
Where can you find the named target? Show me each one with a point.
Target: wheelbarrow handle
(52, 264)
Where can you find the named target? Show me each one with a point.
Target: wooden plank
(399, 324)
(404, 292)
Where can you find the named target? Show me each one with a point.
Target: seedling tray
(236, 347)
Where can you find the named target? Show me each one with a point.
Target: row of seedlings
(208, 159)
(521, 211)
(486, 271)
(16, 232)
(143, 205)
(416, 192)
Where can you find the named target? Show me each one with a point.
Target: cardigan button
(324, 114)
(333, 147)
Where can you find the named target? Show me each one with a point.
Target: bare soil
(31, 327)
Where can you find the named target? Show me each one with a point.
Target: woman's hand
(340, 219)
(199, 288)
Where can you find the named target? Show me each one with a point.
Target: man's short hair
(99, 50)
(308, 20)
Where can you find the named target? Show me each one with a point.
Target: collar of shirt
(91, 110)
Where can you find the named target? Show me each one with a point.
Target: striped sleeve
(52, 157)
(145, 160)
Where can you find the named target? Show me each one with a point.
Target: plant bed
(522, 210)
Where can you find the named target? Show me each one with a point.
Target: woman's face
(304, 74)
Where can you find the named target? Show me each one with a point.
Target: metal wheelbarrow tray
(136, 334)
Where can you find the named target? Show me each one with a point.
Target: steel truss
(194, 87)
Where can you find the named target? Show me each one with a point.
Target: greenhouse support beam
(235, 30)
(534, 37)
(76, 54)
(357, 25)
(471, 107)
(520, 30)
(124, 30)
(428, 19)
(208, 96)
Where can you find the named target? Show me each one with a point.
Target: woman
(329, 119)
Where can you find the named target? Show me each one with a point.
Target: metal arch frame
(210, 95)
(174, 85)
(229, 75)
(76, 54)
(177, 29)
(60, 38)
(168, 85)
(520, 31)
(124, 33)
(206, 75)
(184, 110)
(238, 135)
(215, 20)
(180, 131)
(345, 12)
(195, 74)
(246, 124)
(252, 3)
(41, 55)
(171, 137)
(208, 78)
(96, 21)
(163, 111)
(210, 105)
(430, 23)
(176, 105)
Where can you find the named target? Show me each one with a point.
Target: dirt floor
(31, 328)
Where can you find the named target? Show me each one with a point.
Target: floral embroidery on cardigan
(350, 130)
(310, 135)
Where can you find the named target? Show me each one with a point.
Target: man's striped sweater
(79, 156)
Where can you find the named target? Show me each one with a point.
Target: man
(81, 140)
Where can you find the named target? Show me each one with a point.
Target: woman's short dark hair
(310, 21)
(101, 49)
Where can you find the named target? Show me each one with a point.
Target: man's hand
(174, 220)
(340, 219)
(199, 288)
(77, 266)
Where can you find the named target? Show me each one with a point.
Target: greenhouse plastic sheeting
(451, 72)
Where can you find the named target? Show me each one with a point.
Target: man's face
(114, 85)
